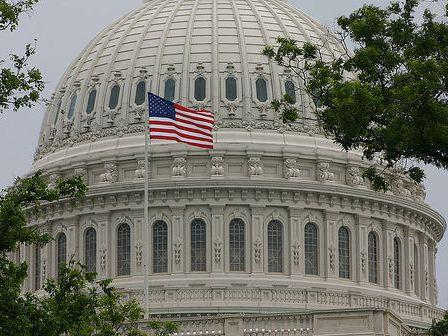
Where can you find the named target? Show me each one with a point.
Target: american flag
(171, 121)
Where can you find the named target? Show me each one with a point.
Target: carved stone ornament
(291, 169)
(418, 192)
(363, 260)
(257, 250)
(81, 172)
(323, 172)
(254, 166)
(217, 166)
(44, 270)
(217, 247)
(53, 180)
(411, 273)
(332, 257)
(398, 187)
(391, 268)
(103, 257)
(354, 177)
(179, 167)
(177, 250)
(110, 175)
(140, 171)
(296, 253)
(139, 253)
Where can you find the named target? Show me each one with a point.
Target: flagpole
(146, 224)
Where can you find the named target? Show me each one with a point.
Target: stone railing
(284, 299)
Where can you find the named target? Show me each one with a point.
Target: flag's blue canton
(161, 108)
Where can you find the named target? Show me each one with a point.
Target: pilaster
(330, 244)
(258, 236)
(362, 232)
(388, 254)
(218, 239)
(296, 267)
(178, 238)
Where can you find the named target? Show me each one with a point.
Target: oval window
(231, 88)
(262, 90)
(91, 101)
(170, 89)
(199, 89)
(140, 93)
(114, 95)
(71, 109)
(290, 90)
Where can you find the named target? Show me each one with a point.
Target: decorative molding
(139, 253)
(254, 167)
(257, 250)
(177, 250)
(110, 175)
(323, 172)
(217, 166)
(217, 247)
(354, 177)
(179, 167)
(291, 169)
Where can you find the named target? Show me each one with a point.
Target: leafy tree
(20, 84)
(439, 328)
(389, 97)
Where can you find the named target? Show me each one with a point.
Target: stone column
(431, 275)
(330, 245)
(258, 241)
(422, 265)
(388, 254)
(296, 266)
(218, 239)
(407, 264)
(362, 232)
(178, 239)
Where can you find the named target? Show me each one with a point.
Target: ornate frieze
(291, 169)
(323, 172)
(217, 166)
(254, 167)
(354, 177)
(179, 167)
(110, 174)
(257, 250)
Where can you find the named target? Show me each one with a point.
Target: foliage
(439, 328)
(20, 85)
(389, 97)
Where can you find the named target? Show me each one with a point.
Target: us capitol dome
(274, 231)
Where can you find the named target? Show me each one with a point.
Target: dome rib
(186, 56)
(155, 83)
(246, 92)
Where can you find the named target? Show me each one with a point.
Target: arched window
(114, 96)
(58, 110)
(170, 89)
(373, 257)
(198, 246)
(37, 265)
(275, 246)
(61, 257)
(124, 249)
(91, 101)
(237, 252)
(72, 107)
(199, 88)
(231, 93)
(90, 249)
(416, 269)
(311, 250)
(397, 263)
(344, 252)
(160, 247)
(290, 90)
(262, 89)
(140, 93)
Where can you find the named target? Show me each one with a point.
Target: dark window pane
(199, 89)
(170, 89)
(114, 95)
(140, 93)
(231, 88)
(198, 246)
(311, 250)
(160, 247)
(91, 101)
(262, 90)
(37, 266)
(290, 90)
(90, 249)
(397, 263)
(373, 257)
(58, 110)
(237, 254)
(71, 109)
(124, 249)
(344, 253)
(61, 257)
(275, 247)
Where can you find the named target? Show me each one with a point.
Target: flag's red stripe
(184, 135)
(183, 128)
(161, 137)
(195, 117)
(194, 123)
(186, 109)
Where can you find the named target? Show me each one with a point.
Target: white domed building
(273, 232)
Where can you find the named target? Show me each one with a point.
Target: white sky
(63, 28)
